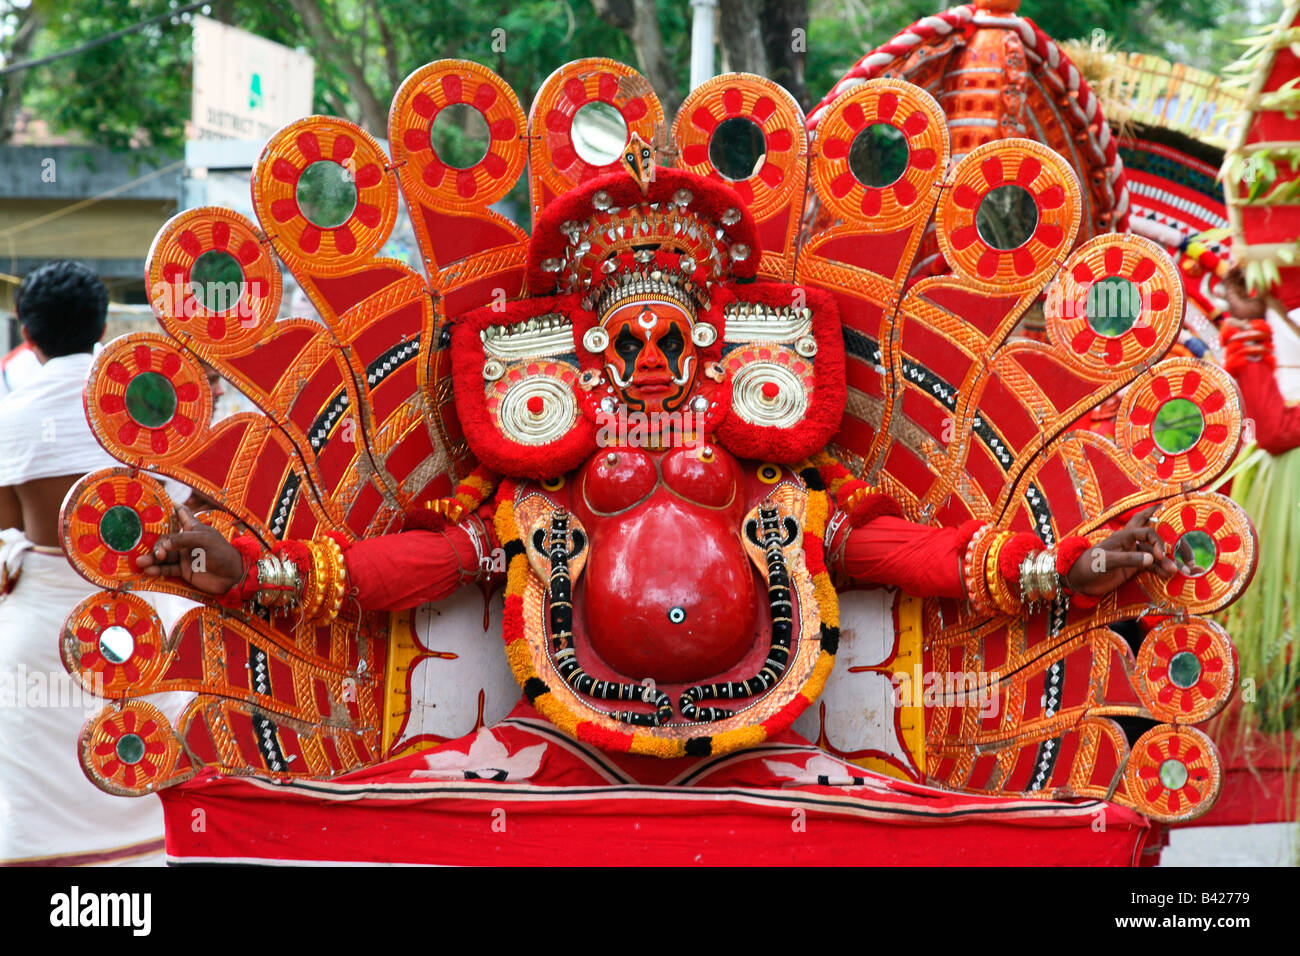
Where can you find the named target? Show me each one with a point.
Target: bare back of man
(33, 508)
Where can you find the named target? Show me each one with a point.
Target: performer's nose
(651, 359)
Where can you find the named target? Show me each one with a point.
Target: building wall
(86, 203)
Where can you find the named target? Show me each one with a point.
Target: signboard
(245, 86)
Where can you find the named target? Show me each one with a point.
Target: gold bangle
(313, 592)
(337, 581)
(1001, 594)
(973, 573)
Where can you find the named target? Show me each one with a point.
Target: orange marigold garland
(442, 513)
(859, 500)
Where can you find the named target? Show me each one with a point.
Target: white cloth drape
(43, 427)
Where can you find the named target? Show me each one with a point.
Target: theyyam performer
(673, 428)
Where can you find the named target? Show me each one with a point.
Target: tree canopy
(134, 91)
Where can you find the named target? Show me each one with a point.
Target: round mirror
(1198, 548)
(879, 154)
(130, 748)
(1007, 217)
(599, 132)
(737, 148)
(150, 399)
(1173, 774)
(1114, 306)
(1178, 426)
(217, 280)
(1184, 669)
(326, 194)
(460, 135)
(120, 528)
(116, 644)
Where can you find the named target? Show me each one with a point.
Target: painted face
(650, 357)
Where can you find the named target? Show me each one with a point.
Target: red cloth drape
(399, 571)
(916, 558)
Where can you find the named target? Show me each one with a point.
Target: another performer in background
(49, 812)
(1261, 339)
(1262, 350)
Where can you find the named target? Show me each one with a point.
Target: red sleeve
(398, 571)
(1277, 425)
(919, 559)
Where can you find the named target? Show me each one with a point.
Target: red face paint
(650, 357)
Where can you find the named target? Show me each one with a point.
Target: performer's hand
(198, 554)
(1241, 303)
(1116, 558)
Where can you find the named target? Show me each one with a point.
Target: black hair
(63, 306)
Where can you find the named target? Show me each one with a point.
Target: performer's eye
(627, 345)
(671, 343)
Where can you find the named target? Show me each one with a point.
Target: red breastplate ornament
(675, 583)
(665, 541)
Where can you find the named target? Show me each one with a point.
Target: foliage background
(134, 91)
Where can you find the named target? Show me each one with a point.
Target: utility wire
(90, 201)
(100, 41)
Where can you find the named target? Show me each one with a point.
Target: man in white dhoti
(49, 812)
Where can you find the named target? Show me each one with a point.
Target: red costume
(677, 426)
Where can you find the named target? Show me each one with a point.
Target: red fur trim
(710, 200)
(489, 444)
(873, 506)
(786, 716)
(822, 420)
(1084, 602)
(295, 551)
(425, 519)
(250, 549)
(1068, 552)
(1014, 552)
(966, 530)
(341, 540)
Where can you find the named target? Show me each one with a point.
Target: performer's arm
(1277, 424)
(1248, 354)
(895, 552)
(399, 571)
(981, 563)
(320, 577)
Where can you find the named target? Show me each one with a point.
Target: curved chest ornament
(615, 629)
